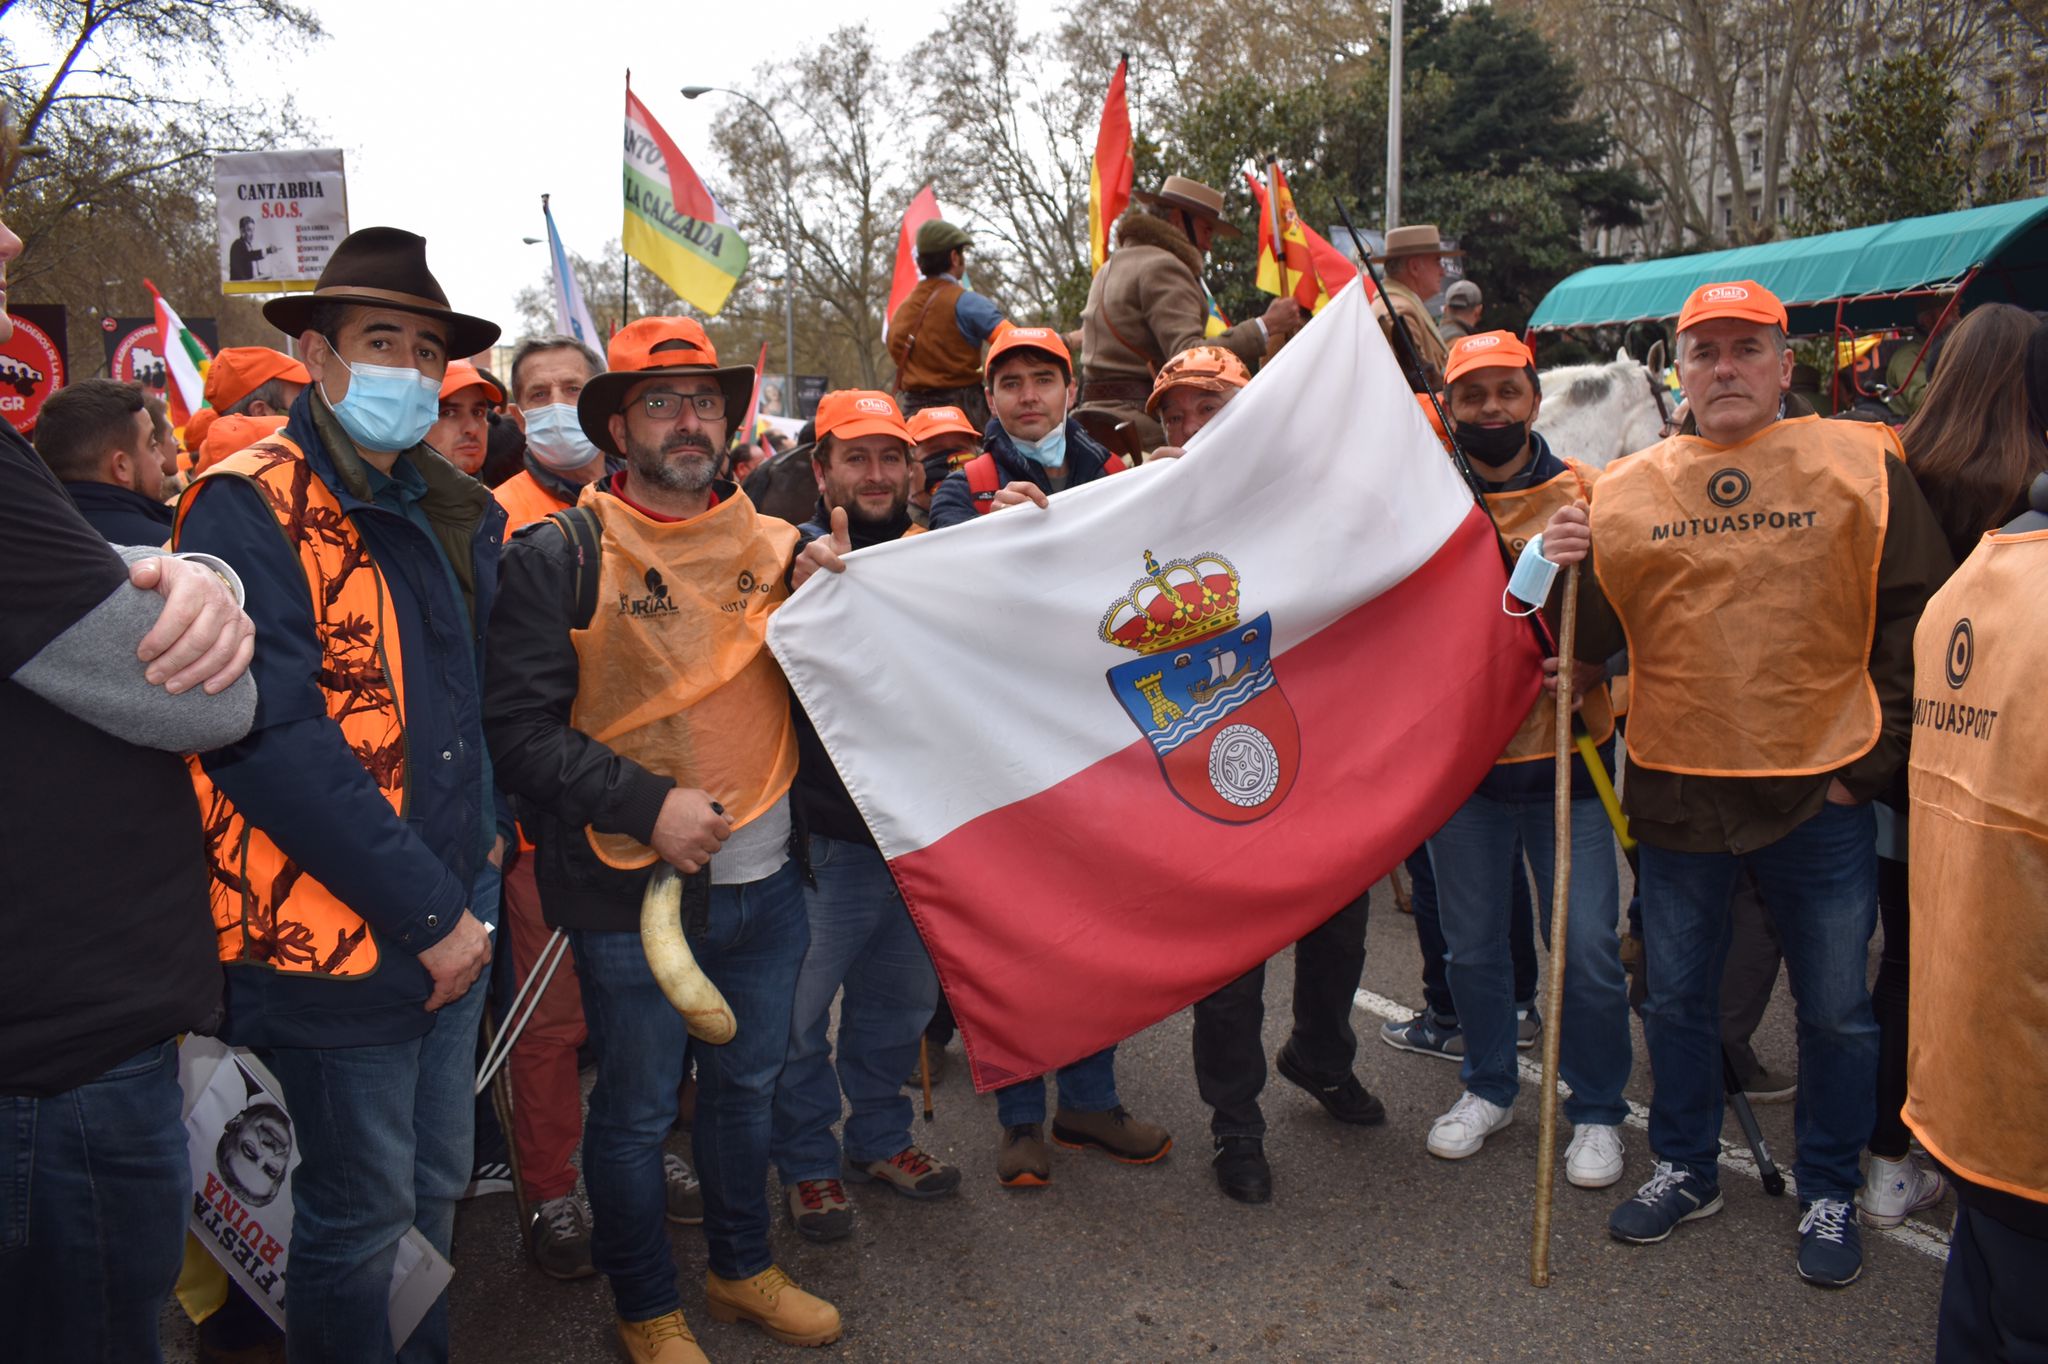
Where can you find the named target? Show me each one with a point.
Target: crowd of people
(463, 661)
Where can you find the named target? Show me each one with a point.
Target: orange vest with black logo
(674, 666)
(525, 500)
(1521, 516)
(266, 911)
(926, 342)
(1745, 577)
(1976, 1066)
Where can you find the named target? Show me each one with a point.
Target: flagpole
(1273, 211)
(1394, 16)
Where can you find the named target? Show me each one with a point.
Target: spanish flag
(673, 225)
(1309, 267)
(1109, 177)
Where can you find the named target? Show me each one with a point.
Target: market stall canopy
(1878, 275)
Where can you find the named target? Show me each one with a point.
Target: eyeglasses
(664, 406)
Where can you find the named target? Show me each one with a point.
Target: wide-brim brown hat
(1417, 239)
(383, 267)
(1193, 196)
(648, 349)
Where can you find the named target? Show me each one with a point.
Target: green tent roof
(1870, 267)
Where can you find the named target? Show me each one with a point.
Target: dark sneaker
(1114, 1131)
(1672, 1196)
(559, 1238)
(1830, 1246)
(489, 1177)
(910, 1172)
(1528, 1028)
(820, 1210)
(685, 1195)
(1344, 1099)
(1425, 1036)
(1769, 1087)
(1021, 1157)
(1241, 1169)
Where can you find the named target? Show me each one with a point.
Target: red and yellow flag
(1109, 177)
(1308, 267)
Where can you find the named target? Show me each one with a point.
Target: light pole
(788, 235)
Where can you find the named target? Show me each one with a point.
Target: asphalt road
(1370, 1250)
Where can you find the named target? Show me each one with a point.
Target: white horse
(1598, 413)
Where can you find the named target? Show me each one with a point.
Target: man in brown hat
(352, 838)
(1414, 263)
(1148, 304)
(936, 337)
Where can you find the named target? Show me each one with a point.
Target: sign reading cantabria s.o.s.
(281, 216)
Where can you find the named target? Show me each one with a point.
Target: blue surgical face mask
(387, 407)
(1049, 450)
(557, 440)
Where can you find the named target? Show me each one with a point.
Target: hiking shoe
(1344, 1099)
(1462, 1131)
(820, 1210)
(559, 1238)
(1830, 1246)
(1114, 1131)
(664, 1340)
(1528, 1028)
(773, 1303)
(1424, 1035)
(1894, 1189)
(1768, 1087)
(1671, 1196)
(938, 1064)
(1241, 1169)
(1021, 1157)
(910, 1172)
(1593, 1160)
(685, 1195)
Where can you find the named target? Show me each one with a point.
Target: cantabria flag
(673, 225)
(1180, 717)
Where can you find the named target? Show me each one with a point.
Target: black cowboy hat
(383, 267)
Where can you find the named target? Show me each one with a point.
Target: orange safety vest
(675, 668)
(525, 500)
(1521, 515)
(1745, 577)
(266, 911)
(985, 480)
(1976, 1070)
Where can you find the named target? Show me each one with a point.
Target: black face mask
(1492, 445)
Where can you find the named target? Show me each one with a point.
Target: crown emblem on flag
(1170, 605)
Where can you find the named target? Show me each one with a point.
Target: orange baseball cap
(1486, 350)
(852, 412)
(1009, 338)
(462, 374)
(657, 345)
(928, 422)
(1743, 298)
(1211, 368)
(238, 371)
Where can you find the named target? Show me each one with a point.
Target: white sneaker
(1593, 1160)
(1893, 1189)
(1463, 1130)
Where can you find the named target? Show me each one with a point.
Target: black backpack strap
(579, 527)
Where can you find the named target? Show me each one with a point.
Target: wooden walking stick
(1560, 916)
(924, 1072)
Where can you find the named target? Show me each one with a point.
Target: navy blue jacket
(954, 503)
(122, 515)
(294, 775)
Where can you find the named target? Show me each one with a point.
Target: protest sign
(33, 364)
(281, 216)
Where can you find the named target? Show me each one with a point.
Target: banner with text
(281, 216)
(34, 362)
(135, 353)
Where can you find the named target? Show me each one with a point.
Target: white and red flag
(1179, 718)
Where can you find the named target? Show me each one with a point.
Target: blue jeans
(386, 1143)
(862, 938)
(94, 1193)
(1087, 1086)
(1820, 881)
(1429, 937)
(1479, 844)
(752, 946)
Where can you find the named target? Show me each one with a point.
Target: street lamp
(788, 235)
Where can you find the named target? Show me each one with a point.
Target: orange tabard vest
(1521, 516)
(525, 500)
(675, 666)
(265, 909)
(1976, 1070)
(926, 342)
(1745, 577)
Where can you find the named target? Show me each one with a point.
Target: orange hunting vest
(1745, 577)
(525, 500)
(675, 668)
(1521, 516)
(926, 342)
(265, 910)
(1976, 1067)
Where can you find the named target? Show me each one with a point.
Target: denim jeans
(386, 1143)
(1820, 881)
(1429, 936)
(752, 947)
(1087, 1086)
(1479, 844)
(94, 1193)
(861, 938)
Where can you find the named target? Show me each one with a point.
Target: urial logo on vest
(657, 602)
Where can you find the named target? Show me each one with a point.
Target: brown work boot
(665, 1340)
(774, 1304)
(1021, 1157)
(820, 1210)
(910, 1172)
(1128, 1139)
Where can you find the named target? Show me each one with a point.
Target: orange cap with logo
(1743, 299)
(1210, 368)
(925, 423)
(652, 346)
(1009, 338)
(238, 371)
(1486, 350)
(462, 374)
(853, 412)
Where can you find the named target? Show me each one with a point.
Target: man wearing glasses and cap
(936, 337)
